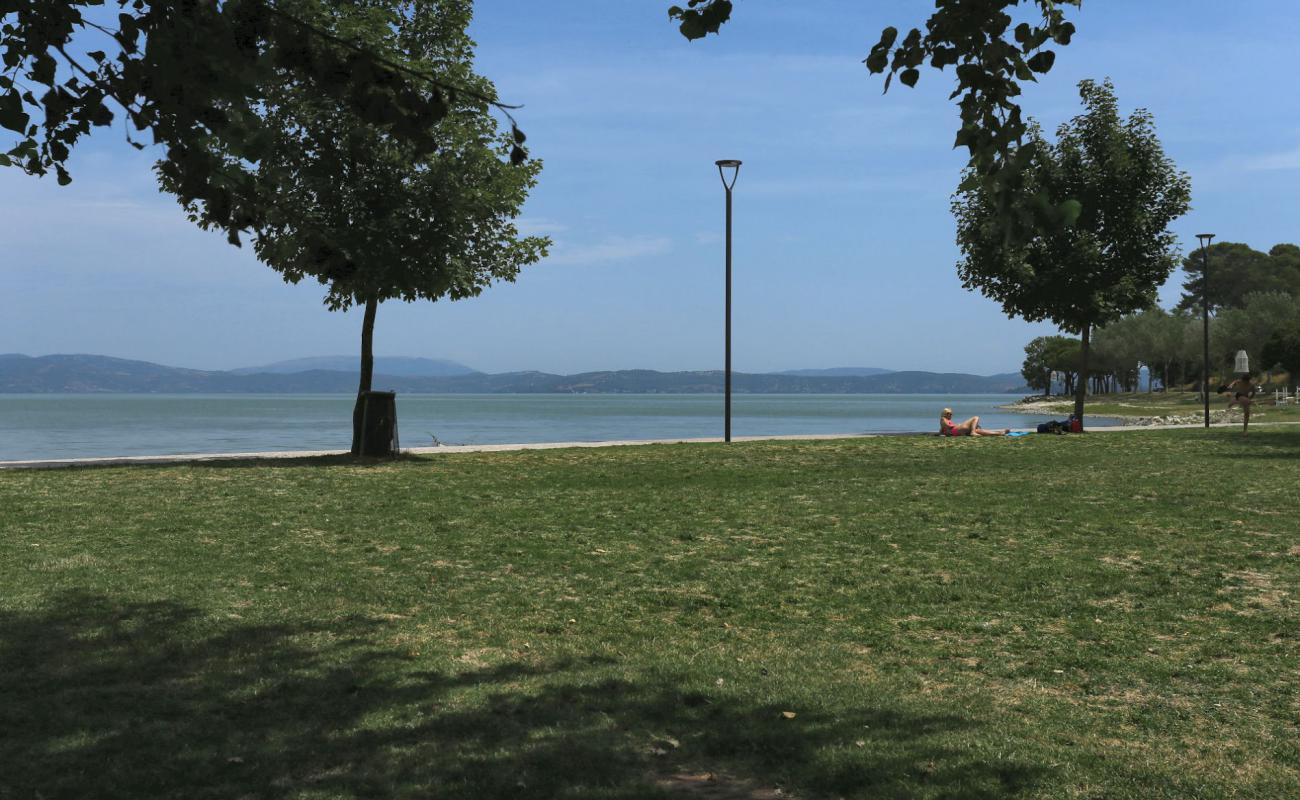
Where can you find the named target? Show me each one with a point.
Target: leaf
(909, 76)
(517, 134)
(877, 60)
(12, 115)
(789, 714)
(1042, 62)
(692, 27)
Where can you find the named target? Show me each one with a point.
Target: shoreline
(287, 455)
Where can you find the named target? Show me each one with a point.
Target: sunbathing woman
(970, 427)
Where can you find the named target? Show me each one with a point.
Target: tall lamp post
(1205, 321)
(733, 165)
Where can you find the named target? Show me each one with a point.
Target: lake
(49, 426)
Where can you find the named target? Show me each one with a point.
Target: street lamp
(1205, 321)
(733, 165)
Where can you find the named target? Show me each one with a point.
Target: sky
(843, 248)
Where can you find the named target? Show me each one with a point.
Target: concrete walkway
(189, 458)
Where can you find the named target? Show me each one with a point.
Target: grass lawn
(1105, 616)
(1162, 404)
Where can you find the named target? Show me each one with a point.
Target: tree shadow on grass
(1267, 443)
(246, 462)
(107, 699)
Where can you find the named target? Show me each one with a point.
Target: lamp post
(1205, 321)
(733, 165)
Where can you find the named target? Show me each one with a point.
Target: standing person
(1242, 392)
(970, 427)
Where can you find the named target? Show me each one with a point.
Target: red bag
(1076, 425)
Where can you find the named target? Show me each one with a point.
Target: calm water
(63, 426)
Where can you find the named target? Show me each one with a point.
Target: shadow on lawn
(240, 462)
(99, 699)
(1270, 443)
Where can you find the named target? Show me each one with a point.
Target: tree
(1118, 252)
(1046, 355)
(1063, 357)
(1237, 270)
(990, 60)
(1251, 326)
(1161, 344)
(1035, 371)
(1117, 351)
(369, 214)
(193, 75)
(1283, 350)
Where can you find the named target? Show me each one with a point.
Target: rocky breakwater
(1059, 407)
(1219, 415)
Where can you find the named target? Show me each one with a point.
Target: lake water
(68, 426)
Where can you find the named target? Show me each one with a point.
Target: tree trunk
(1081, 388)
(367, 370)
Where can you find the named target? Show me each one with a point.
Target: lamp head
(731, 164)
(1205, 238)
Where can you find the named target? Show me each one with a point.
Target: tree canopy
(194, 76)
(1251, 326)
(1283, 350)
(1238, 270)
(1114, 257)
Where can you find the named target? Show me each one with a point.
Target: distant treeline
(1254, 306)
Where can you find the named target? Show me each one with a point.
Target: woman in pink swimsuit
(970, 427)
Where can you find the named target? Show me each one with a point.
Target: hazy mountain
(85, 374)
(836, 372)
(386, 365)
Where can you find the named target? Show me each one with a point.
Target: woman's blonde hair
(947, 412)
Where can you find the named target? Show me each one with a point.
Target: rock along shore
(1059, 406)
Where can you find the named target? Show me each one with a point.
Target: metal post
(727, 425)
(735, 167)
(1205, 323)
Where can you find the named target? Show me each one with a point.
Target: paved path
(497, 448)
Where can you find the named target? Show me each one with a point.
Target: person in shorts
(1241, 392)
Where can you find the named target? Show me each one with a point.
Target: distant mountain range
(101, 374)
(836, 372)
(385, 365)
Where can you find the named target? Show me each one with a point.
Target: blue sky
(843, 251)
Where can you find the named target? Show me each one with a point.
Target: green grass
(1159, 404)
(1105, 616)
